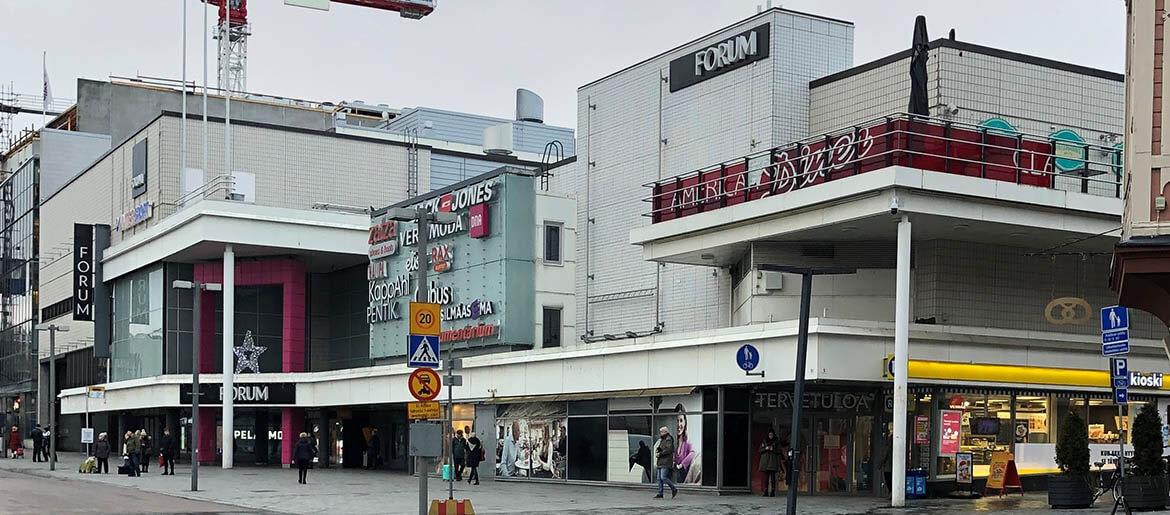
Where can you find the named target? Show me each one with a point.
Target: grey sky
(471, 54)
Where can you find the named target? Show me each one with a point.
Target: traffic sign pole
(420, 280)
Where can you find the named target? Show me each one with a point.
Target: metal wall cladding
(497, 269)
(468, 129)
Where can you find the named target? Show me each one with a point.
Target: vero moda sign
(721, 57)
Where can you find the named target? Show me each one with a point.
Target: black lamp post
(806, 276)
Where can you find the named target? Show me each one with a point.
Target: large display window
(137, 345)
(615, 440)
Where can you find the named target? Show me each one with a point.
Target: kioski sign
(83, 275)
(734, 52)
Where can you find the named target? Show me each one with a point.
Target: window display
(531, 440)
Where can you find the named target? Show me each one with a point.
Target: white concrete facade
(631, 129)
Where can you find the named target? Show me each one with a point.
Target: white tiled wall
(1035, 99)
(293, 169)
(752, 108)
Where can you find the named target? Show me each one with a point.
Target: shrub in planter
(1146, 488)
(1071, 488)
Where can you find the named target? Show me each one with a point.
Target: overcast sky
(470, 55)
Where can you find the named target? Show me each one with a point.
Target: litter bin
(916, 483)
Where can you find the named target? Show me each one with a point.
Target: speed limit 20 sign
(424, 318)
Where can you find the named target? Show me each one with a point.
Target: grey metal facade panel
(65, 154)
(447, 170)
(468, 129)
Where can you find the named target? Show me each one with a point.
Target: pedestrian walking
(303, 454)
(459, 454)
(15, 445)
(38, 439)
(145, 450)
(46, 447)
(665, 462)
(131, 451)
(770, 463)
(374, 452)
(474, 456)
(101, 451)
(167, 448)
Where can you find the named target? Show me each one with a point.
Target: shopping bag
(161, 461)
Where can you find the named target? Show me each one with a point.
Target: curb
(182, 495)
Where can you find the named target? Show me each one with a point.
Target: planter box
(1145, 492)
(1069, 491)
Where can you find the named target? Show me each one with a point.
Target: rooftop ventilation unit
(497, 139)
(529, 106)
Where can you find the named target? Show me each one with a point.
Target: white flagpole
(206, 31)
(183, 120)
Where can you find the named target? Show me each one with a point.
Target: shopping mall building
(597, 299)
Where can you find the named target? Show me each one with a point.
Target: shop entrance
(837, 438)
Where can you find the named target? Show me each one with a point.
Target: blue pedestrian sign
(423, 351)
(747, 357)
(1114, 318)
(1114, 331)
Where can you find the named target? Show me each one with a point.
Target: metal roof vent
(497, 139)
(529, 106)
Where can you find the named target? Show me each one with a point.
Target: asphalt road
(25, 494)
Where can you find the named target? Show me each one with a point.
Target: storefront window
(978, 423)
(532, 440)
(137, 349)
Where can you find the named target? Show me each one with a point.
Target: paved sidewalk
(357, 491)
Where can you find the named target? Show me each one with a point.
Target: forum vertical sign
(83, 275)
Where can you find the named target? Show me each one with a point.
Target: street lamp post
(53, 429)
(197, 289)
(806, 276)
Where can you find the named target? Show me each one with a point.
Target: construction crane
(234, 28)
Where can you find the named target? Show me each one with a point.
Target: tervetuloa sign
(719, 58)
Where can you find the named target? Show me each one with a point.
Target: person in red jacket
(15, 445)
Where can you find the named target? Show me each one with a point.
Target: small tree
(1072, 451)
(1147, 442)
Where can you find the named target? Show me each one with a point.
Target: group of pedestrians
(138, 451)
(466, 453)
(40, 436)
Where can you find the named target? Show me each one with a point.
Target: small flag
(48, 94)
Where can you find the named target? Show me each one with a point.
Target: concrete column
(292, 422)
(229, 362)
(901, 359)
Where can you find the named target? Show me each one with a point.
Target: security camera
(894, 205)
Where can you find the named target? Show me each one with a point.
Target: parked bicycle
(1110, 481)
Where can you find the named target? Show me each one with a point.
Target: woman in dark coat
(474, 456)
(303, 454)
(770, 462)
(101, 451)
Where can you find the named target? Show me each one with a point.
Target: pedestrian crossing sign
(423, 351)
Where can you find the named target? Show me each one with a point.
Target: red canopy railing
(896, 140)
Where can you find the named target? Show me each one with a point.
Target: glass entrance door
(833, 444)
